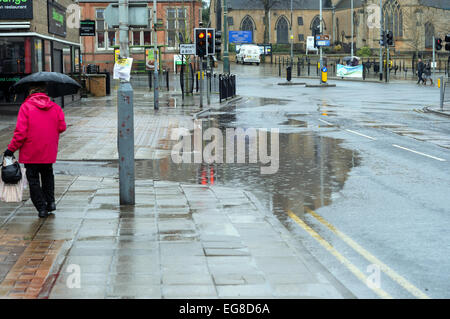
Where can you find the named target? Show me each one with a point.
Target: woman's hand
(8, 153)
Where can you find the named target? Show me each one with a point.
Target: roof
(346, 4)
(440, 4)
(280, 4)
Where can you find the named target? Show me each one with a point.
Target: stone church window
(429, 33)
(282, 31)
(247, 24)
(393, 17)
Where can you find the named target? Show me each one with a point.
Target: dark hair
(38, 87)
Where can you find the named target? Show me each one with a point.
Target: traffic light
(218, 41)
(211, 41)
(447, 42)
(200, 42)
(389, 38)
(383, 39)
(438, 44)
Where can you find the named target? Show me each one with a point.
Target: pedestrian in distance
(420, 70)
(39, 125)
(427, 73)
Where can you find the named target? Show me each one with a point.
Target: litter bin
(289, 73)
(108, 82)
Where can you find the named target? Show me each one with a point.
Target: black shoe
(43, 214)
(51, 207)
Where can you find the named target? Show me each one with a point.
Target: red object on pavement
(39, 124)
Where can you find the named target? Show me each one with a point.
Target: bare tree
(267, 5)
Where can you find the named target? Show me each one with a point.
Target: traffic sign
(187, 49)
(323, 37)
(323, 43)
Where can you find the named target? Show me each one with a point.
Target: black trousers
(420, 78)
(45, 194)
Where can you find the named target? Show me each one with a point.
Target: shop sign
(56, 19)
(16, 9)
(87, 28)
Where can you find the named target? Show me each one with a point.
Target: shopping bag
(13, 193)
(11, 171)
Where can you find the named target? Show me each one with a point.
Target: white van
(248, 54)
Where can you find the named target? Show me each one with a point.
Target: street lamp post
(320, 32)
(381, 39)
(292, 36)
(125, 119)
(352, 27)
(226, 58)
(156, 54)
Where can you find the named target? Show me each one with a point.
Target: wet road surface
(362, 169)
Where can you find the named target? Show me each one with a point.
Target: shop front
(31, 42)
(23, 55)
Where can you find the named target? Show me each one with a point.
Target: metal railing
(227, 86)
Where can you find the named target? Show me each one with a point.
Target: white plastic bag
(13, 193)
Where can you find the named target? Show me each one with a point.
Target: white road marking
(372, 138)
(423, 154)
(328, 123)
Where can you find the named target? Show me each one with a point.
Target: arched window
(282, 31)
(429, 33)
(247, 25)
(393, 17)
(315, 26)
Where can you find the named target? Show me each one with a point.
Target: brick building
(176, 16)
(35, 36)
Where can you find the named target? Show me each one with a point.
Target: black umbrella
(58, 84)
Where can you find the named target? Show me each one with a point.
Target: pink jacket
(39, 124)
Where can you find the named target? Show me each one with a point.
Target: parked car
(248, 54)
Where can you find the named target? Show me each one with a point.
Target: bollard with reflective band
(324, 75)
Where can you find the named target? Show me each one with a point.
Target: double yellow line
(363, 252)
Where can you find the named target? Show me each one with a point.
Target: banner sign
(345, 71)
(150, 59)
(87, 28)
(56, 19)
(16, 9)
(240, 37)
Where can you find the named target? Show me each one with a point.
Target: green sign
(16, 9)
(56, 19)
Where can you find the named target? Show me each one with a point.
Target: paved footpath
(178, 241)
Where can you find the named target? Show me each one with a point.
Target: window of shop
(176, 24)
(47, 56)
(15, 63)
(15, 55)
(38, 55)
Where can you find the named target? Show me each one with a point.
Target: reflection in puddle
(311, 169)
(296, 123)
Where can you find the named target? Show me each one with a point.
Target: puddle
(311, 169)
(294, 122)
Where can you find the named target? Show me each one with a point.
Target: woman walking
(39, 124)
(427, 73)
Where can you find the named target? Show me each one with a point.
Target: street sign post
(323, 40)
